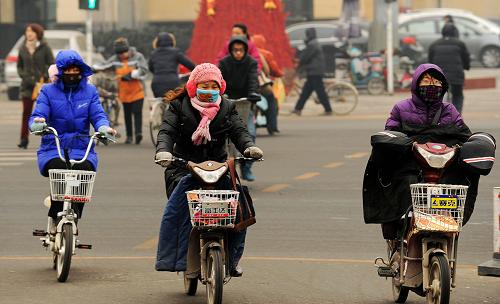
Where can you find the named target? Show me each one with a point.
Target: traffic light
(91, 5)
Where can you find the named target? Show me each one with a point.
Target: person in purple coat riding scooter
(428, 88)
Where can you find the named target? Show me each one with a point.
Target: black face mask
(71, 80)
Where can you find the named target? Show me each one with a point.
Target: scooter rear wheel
(215, 276)
(439, 279)
(190, 285)
(65, 253)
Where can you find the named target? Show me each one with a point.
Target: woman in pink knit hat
(196, 127)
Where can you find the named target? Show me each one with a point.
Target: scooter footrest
(84, 246)
(386, 272)
(38, 232)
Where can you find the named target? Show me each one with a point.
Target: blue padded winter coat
(70, 112)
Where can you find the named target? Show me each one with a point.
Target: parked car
(481, 36)
(332, 37)
(57, 40)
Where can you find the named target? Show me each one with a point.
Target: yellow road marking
(254, 258)
(275, 188)
(333, 165)
(308, 175)
(149, 244)
(357, 155)
(9, 164)
(17, 158)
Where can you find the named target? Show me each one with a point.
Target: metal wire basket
(213, 208)
(438, 207)
(75, 185)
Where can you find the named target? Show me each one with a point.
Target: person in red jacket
(240, 29)
(271, 69)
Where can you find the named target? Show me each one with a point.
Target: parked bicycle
(70, 186)
(342, 94)
(157, 107)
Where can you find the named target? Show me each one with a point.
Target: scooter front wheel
(65, 253)
(190, 285)
(439, 280)
(215, 280)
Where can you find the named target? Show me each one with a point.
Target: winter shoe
(47, 202)
(246, 173)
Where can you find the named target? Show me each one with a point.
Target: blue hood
(67, 58)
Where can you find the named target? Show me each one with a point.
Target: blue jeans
(176, 226)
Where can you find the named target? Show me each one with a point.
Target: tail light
(11, 58)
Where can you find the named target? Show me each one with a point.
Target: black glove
(253, 97)
(127, 77)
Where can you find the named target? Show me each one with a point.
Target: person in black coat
(196, 127)
(451, 55)
(312, 62)
(164, 62)
(239, 70)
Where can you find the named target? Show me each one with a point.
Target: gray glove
(164, 159)
(107, 132)
(253, 152)
(38, 126)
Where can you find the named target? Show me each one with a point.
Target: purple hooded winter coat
(417, 112)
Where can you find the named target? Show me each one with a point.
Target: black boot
(138, 139)
(23, 144)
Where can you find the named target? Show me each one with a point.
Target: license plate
(444, 201)
(214, 210)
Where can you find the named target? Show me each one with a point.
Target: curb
(482, 83)
(490, 268)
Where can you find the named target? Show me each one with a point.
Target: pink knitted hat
(202, 73)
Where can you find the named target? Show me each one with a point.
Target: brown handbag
(245, 215)
(37, 88)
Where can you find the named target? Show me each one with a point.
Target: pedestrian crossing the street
(12, 157)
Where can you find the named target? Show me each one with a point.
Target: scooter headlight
(210, 177)
(437, 161)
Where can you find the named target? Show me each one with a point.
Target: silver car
(57, 40)
(481, 36)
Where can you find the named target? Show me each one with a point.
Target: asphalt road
(310, 244)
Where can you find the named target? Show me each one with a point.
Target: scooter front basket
(213, 208)
(75, 185)
(438, 207)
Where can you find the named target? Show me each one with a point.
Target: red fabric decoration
(212, 32)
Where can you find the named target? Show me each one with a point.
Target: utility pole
(89, 6)
(89, 36)
(390, 50)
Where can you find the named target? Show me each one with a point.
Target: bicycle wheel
(376, 86)
(215, 280)
(65, 253)
(343, 97)
(155, 120)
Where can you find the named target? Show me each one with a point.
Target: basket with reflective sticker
(212, 208)
(438, 207)
(75, 185)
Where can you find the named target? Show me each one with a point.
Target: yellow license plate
(444, 202)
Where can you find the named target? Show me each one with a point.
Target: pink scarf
(208, 111)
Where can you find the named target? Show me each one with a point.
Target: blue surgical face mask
(213, 93)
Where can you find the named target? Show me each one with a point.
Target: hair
(37, 28)
(177, 93)
(243, 27)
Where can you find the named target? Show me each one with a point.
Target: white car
(481, 36)
(57, 40)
